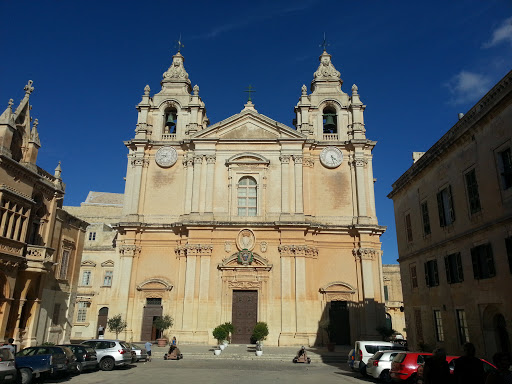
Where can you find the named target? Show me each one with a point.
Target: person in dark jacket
(468, 368)
(436, 369)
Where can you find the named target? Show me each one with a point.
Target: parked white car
(366, 349)
(379, 365)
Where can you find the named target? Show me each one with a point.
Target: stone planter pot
(217, 352)
(162, 342)
(259, 353)
(222, 346)
(225, 343)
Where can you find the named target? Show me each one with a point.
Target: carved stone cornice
(244, 284)
(139, 162)
(10, 265)
(129, 250)
(298, 251)
(193, 250)
(360, 162)
(365, 253)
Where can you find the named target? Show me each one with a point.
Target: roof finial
(324, 44)
(11, 102)
(249, 90)
(179, 45)
(29, 88)
(147, 90)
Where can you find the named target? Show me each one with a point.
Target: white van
(366, 349)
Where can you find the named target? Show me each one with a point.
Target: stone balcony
(168, 137)
(330, 137)
(39, 258)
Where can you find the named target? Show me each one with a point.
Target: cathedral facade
(247, 220)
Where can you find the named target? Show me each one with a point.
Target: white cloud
(502, 34)
(468, 87)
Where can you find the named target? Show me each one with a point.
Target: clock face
(331, 157)
(166, 157)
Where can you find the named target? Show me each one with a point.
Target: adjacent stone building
(453, 212)
(40, 243)
(393, 298)
(243, 220)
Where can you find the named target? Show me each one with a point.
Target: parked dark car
(86, 358)
(44, 360)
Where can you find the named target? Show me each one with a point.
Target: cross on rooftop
(324, 44)
(249, 90)
(179, 45)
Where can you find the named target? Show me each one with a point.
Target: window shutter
(476, 265)
(426, 275)
(448, 272)
(489, 259)
(450, 199)
(436, 272)
(460, 270)
(442, 220)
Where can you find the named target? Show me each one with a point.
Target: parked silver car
(141, 353)
(111, 353)
(7, 367)
(379, 365)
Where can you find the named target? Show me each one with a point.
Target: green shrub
(228, 327)
(220, 333)
(260, 331)
(162, 323)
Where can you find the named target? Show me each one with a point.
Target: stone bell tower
(328, 113)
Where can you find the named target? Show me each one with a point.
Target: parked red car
(405, 365)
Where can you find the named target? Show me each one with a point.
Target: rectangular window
(505, 168)
(438, 321)
(386, 294)
(473, 195)
(92, 236)
(419, 325)
(462, 326)
(13, 220)
(445, 207)
(483, 262)
(64, 261)
(508, 244)
(426, 218)
(107, 279)
(454, 272)
(431, 273)
(414, 277)
(81, 315)
(408, 227)
(86, 278)
(56, 313)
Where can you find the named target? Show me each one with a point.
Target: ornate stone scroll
(193, 250)
(245, 239)
(326, 70)
(129, 250)
(298, 251)
(365, 253)
(244, 284)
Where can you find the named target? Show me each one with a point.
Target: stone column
(285, 165)
(188, 302)
(300, 291)
(198, 160)
(361, 186)
(127, 252)
(366, 255)
(189, 164)
(133, 181)
(299, 201)
(210, 171)
(371, 189)
(287, 310)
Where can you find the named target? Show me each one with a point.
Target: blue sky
(416, 63)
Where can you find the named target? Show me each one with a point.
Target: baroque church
(240, 221)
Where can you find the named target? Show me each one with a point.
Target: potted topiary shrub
(163, 323)
(259, 333)
(230, 329)
(330, 330)
(220, 333)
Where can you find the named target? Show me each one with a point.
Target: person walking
(436, 369)
(503, 375)
(468, 368)
(148, 345)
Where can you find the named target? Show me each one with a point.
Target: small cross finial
(324, 44)
(29, 88)
(249, 90)
(179, 45)
(11, 102)
(36, 122)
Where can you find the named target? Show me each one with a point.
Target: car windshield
(135, 346)
(123, 344)
(27, 352)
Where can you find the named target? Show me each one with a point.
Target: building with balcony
(40, 243)
(453, 214)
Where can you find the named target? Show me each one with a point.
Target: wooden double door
(244, 315)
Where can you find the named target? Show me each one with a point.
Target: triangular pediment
(248, 125)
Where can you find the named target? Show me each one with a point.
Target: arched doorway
(496, 335)
(501, 334)
(102, 319)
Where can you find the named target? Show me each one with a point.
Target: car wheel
(385, 377)
(107, 364)
(362, 369)
(79, 368)
(25, 376)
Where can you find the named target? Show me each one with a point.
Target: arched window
(247, 196)
(171, 120)
(330, 120)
